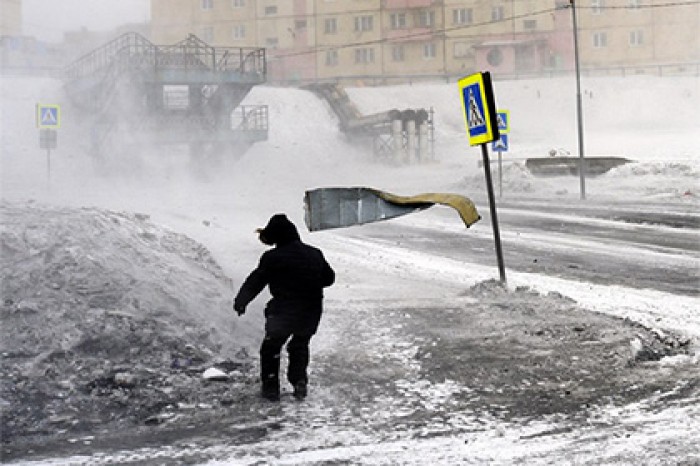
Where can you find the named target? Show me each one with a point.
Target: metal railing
(134, 52)
(250, 118)
(103, 56)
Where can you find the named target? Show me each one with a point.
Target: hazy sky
(48, 19)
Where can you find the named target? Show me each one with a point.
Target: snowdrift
(69, 272)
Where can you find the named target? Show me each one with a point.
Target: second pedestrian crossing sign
(48, 116)
(503, 121)
(479, 108)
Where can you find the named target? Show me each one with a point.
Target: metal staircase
(189, 92)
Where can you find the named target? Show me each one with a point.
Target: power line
(641, 6)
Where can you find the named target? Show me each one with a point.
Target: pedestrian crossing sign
(479, 108)
(48, 116)
(503, 121)
(501, 144)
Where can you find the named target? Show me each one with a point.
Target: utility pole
(579, 106)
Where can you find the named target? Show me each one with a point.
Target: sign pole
(500, 175)
(494, 218)
(479, 109)
(48, 120)
(48, 166)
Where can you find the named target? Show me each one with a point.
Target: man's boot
(271, 388)
(300, 390)
(270, 366)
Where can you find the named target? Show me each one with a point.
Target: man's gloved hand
(240, 310)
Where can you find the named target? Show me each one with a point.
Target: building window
(397, 53)
(497, 13)
(364, 23)
(596, 7)
(398, 20)
(270, 10)
(364, 55)
(429, 51)
(331, 26)
(300, 24)
(207, 4)
(462, 16)
(331, 58)
(238, 32)
(633, 4)
(636, 38)
(272, 41)
(600, 40)
(237, 3)
(426, 19)
(462, 50)
(530, 24)
(207, 34)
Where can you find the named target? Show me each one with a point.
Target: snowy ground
(395, 408)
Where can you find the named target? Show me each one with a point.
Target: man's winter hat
(279, 230)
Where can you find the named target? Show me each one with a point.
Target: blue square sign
(500, 145)
(503, 121)
(475, 110)
(48, 116)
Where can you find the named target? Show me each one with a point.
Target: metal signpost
(501, 145)
(479, 107)
(579, 106)
(48, 120)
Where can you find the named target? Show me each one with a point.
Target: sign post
(479, 107)
(48, 120)
(501, 145)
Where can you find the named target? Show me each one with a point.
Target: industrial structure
(399, 136)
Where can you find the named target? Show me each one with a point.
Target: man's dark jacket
(296, 274)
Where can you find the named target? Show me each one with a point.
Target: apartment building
(616, 33)
(17, 51)
(348, 39)
(10, 17)
(504, 36)
(310, 40)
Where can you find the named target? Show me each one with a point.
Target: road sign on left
(48, 116)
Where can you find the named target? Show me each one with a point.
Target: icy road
(654, 246)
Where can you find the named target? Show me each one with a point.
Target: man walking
(296, 274)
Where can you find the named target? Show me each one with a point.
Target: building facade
(10, 17)
(20, 53)
(312, 40)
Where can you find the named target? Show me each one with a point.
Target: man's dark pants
(298, 350)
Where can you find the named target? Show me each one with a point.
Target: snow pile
(672, 180)
(108, 318)
(516, 178)
(64, 268)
